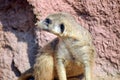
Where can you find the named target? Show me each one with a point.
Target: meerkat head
(56, 23)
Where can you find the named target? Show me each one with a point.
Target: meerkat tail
(27, 75)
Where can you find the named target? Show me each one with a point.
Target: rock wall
(18, 45)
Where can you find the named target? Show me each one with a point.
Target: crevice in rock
(8, 47)
(14, 69)
(116, 32)
(14, 28)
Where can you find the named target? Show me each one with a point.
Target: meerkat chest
(72, 44)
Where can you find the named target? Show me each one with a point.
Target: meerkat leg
(59, 59)
(88, 71)
(44, 67)
(61, 69)
(87, 61)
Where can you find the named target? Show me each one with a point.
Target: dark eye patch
(48, 21)
(62, 27)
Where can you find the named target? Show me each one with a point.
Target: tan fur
(73, 55)
(43, 69)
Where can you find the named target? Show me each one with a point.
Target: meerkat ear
(62, 28)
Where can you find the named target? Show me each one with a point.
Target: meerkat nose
(37, 23)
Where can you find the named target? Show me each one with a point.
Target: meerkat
(75, 52)
(71, 55)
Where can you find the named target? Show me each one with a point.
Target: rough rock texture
(18, 39)
(17, 45)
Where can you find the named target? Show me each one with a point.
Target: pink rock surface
(18, 44)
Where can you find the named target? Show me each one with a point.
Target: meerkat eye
(48, 21)
(62, 27)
